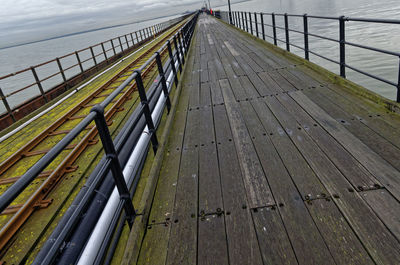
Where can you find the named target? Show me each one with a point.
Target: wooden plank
(257, 188)
(281, 81)
(261, 87)
(216, 94)
(212, 73)
(210, 197)
(360, 129)
(239, 224)
(183, 238)
(379, 242)
(305, 179)
(386, 207)
(270, 83)
(380, 168)
(237, 89)
(212, 247)
(203, 69)
(262, 63)
(304, 235)
(360, 178)
(341, 240)
(272, 237)
(248, 87)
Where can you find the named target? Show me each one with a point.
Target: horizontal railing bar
(371, 75)
(323, 57)
(372, 48)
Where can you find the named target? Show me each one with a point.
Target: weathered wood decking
(268, 165)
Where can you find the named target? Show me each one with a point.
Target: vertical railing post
(120, 44)
(247, 24)
(113, 47)
(305, 23)
(6, 105)
(61, 70)
(146, 109)
(398, 84)
(104, 51)
(79, 61)
(230, 12)
(342, 46)
(242, 21)
(251, 24)
(274, 29)
(180, 44)
(262, 25)
(126, 40)
(137, 38)
(171, 57)
(163, 80)
(133, 43)
(38, 83)
(115, 165)
(256, 23)
(93, 56)
(177, 54)
(287, 32)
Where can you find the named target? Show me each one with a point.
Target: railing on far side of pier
(260, 20)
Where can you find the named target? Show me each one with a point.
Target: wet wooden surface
(268, 165)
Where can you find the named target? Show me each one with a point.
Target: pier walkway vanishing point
(269, 163)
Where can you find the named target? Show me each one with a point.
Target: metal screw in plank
(177, 55)
(116, 169)
(342, 46)
(256, 23)
(274, 29)
(79, 61)
(146, 109)
(262, 25)
(305, 22)
(172, 61)
(6, 105)
(287, 32)
(39, 84)
(163, 80)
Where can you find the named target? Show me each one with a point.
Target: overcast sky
(22, 20)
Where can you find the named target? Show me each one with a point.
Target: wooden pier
(268, 162)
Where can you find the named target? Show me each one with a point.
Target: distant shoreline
(83, 32)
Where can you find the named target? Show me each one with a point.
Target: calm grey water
(21, 57)
(382, 36)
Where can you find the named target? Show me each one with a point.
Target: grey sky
(26, 20)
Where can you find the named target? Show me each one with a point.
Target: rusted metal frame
(146, 109)
(5, 103)
(39, 84)
(5, 165)
(115, 165)
(177, 54)
(15, 208)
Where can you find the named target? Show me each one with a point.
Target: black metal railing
(111, 164)
(54, 77)
(242, 20)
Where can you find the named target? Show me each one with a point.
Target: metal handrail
(240, 20)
